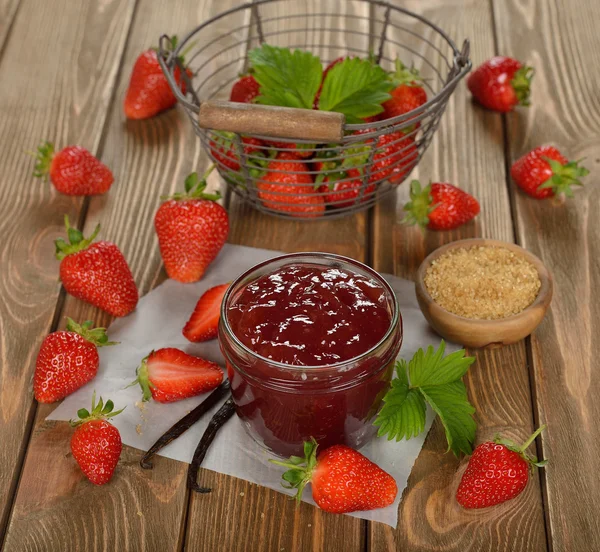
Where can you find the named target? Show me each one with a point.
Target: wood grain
(8, 11)
(62, 96)
(467, 151)
(565, 235)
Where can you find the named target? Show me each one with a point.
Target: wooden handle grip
(267, 120)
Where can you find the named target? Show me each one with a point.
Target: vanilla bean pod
(184, 424)
(216, 423)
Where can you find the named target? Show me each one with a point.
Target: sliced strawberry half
(169, 375)
(204, 322)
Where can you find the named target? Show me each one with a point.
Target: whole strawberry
(342, 189)
(96, 444)
(149, 92)
(244, 90)
(67, 360)
(342, 479)
(287, 186)
(169, 375)
(73, 170)
(191, 229)
(501, 83)
(96, 273)
(408, 93)
(497, 471)
(439, 206)
(545, 172)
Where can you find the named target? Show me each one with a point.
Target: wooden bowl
(476, 333)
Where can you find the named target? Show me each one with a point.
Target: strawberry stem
(521, 83)
(420, 205)
(143, 379)
(100, 411)
(404, 75)
(564, 176)
(194, 188)
(77, 241)
(43, 157)
(531, 439)
(300, 469)
(96, 336)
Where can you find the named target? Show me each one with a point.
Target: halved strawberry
(169, 375)
(204, 322)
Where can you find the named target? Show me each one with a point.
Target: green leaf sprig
(430, 377)
(286, 78)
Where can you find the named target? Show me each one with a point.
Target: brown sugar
(484, 282)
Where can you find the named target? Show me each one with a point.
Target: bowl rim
(542, 299)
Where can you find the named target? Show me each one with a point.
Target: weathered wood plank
(138, 510)
(566, 113)
(8, 11)
(55, 84)
(467, 151)
(243, 517)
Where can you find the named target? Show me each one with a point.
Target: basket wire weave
(385, 151)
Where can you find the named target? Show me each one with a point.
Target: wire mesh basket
(238, 136)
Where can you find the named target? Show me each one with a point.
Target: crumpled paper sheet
(157, 322)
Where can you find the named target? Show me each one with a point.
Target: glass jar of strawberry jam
(310, 341)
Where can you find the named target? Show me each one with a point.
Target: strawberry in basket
(244, 90)
(191, 228)
(408, 93)
(149, 92)
(224, 149)
(287, 186)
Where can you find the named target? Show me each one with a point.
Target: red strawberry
(244, 90)
(290, 193)
(342, 189)
(304, 151)
(204, 322)
(439, 206)
(169, 375)
(96, 273)
(342, 479)
(501, 83)
(191, 229)
(224, 151)
(496, 473)
(149, 92)
(545, 172)
(396, 155)
(67, 360)
(96, 444)
(73, 170)
(408, 94)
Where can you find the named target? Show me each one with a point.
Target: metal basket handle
(261, 120)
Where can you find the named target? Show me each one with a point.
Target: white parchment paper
(157, 322)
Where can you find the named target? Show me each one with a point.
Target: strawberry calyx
(194, 188)
(405, 75)
(77, 241)
(521, 83)
(100, 411)
(300, 470)
(564, 176)
(96, 336)
(143, 379)
(420, 205)
(43, 159)
(521, 450)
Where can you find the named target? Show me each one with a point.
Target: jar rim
(315, 255)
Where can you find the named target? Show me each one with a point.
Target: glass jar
(282, 405)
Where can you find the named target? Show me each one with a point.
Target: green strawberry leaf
(286, 78)
(357, 88)
(436, 379)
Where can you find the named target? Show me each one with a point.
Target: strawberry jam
(310, 340)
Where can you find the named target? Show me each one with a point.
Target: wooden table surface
(64, 68)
